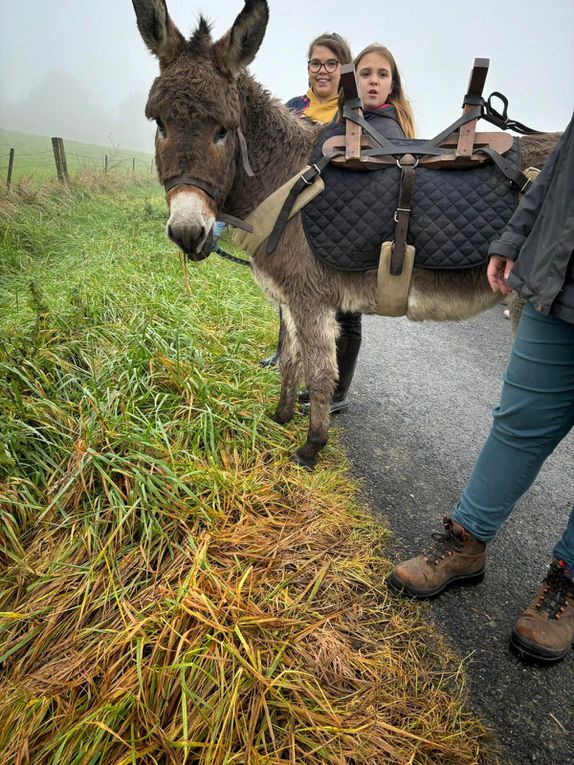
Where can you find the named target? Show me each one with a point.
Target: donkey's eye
(220, 134)
(160, 127)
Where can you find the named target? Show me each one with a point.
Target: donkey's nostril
(188, 235)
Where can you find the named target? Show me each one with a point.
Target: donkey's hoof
(281, 417)
(305, 462)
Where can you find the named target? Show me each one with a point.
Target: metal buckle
(416, 164)
(401, 209)
(317, 172)
(526, 186)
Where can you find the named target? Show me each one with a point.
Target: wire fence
(63, 161)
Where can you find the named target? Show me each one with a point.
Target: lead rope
(233, 258)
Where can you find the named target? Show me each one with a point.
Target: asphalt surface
(420, 411)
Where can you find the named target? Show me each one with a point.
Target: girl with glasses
(325, 55)
(320, 103)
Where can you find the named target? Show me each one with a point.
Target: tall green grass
(172, 588)
(34, 157)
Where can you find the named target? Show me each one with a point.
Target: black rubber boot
(273, 360)
(347, 354)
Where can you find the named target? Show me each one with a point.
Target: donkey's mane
(200, 40)
(279, 145)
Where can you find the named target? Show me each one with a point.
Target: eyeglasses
(315, 65)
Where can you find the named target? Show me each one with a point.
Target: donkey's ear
(159, 32)
(239, 47)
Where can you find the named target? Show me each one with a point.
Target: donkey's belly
(449, 295)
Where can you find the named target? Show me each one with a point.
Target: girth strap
(403, 212)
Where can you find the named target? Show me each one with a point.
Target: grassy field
(34, 157)
(172, 588)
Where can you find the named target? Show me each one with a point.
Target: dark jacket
(385, 121)
(540, 236)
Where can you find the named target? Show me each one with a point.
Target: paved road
(421, 404)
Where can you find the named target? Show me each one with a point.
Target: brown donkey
(205, 106)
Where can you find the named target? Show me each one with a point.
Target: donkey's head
(195, 103)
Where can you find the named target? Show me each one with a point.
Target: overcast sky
(80, 69)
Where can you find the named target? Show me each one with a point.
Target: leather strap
(501, 119)
(187, 180)
(512, 172)
(431, 146)
(244, 155)
(403, 213)
(305, 179)
(483, 109)
(231, 220)
(379, 138)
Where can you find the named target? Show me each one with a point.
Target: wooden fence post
(105, 163)
(63, 160)
(56, 148)
(60, 158)
(133, 165)
(10, 168)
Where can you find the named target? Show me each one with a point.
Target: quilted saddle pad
(455, 213)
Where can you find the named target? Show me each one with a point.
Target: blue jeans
(536, 411)
(218, 227)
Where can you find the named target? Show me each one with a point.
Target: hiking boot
(545, 630)
(454, 556)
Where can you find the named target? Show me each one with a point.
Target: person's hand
(499, 269)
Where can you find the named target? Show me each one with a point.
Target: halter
(211, 191)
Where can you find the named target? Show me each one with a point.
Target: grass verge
(172, 589)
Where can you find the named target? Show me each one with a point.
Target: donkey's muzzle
(191, 237)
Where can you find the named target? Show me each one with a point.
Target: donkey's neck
(278, 144)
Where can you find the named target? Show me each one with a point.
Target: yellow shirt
(321, 111)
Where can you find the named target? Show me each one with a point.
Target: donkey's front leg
(290, 368)
(317, 332)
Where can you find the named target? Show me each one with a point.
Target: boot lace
(558, 591)
(445, 543)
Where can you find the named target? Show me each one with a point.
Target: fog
(81, 70)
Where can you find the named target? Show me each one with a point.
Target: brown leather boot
(454, 556)
(545, 630)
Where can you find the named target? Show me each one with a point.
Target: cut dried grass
(267, 638)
